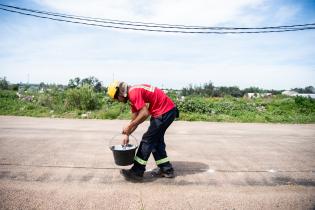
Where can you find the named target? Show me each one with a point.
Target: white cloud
(55, 52)
(203, 12)
(264, 61)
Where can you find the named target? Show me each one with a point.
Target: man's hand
(125, 140)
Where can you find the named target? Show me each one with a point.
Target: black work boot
(158, 172)
(131, 175)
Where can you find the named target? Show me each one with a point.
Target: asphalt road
(66, 164)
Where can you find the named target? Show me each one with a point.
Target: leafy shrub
(194, 105)
(72, 103)
(4, 84)
(112, 113)
(8, 94)
(306, 105)
(83, 98)
(45, 100)
(226, 105)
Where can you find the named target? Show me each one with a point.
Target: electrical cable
(129, 25)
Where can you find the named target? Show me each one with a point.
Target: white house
(293, 93)
(257, 95)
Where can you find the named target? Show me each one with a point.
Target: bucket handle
(110, 141)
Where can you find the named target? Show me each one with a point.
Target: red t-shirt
(159, 102)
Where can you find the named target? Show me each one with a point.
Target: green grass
(277, 109)
(20, 108)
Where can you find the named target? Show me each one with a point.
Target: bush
(72, 103)
(83, 98)
(227, 105)
(194, 105)
(8, 94)
(45, 100)
(14, 87)
(305, 105)
(112, 113)
(4, 84)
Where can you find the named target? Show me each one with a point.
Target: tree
(14, 87)
(4, 84)
(74, 83)
(42, 85)
(89, 81)
(309, 89)
(231, 91)
(93, 82)
(253, 90)
(208, 89)
(235, 91)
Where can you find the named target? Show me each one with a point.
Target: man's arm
(136, 119)
(133, 117)
(126, 137)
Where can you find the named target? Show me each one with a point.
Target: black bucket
(123, 154)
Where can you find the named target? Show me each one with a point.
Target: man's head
(118, 91)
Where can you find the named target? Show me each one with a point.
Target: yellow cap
(112, 89)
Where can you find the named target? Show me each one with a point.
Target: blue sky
(55, 52)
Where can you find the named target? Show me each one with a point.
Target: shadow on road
(182, 168)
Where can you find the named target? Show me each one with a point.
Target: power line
(133, 23)
(152, 27)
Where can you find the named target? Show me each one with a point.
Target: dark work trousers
(153, 141)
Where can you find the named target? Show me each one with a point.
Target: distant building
(289, 93)
(293, 93)
(257, 95)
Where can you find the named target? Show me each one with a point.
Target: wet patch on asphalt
(104, 178)
(87, 177)
(285, 180)
(4, 174)
(44, 177)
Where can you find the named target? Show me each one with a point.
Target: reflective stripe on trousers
(164, 160)
(140, 161)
